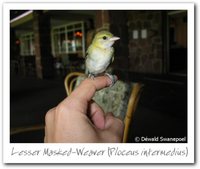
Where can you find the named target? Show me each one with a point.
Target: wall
(145, 55)
(118, 26)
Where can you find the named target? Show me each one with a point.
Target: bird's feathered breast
(94, 52)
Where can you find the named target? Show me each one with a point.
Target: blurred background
(46, 45)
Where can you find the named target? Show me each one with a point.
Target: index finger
(86, 90)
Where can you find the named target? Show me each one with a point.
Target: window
(68, 39)
(27, 44)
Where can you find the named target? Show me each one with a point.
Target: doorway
(177, 42)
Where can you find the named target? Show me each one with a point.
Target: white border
(7, 147)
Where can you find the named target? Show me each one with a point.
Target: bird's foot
(113, 78)
(91, 76)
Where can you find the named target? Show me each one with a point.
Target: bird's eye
(104, 37)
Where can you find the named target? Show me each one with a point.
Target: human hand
(79, 119)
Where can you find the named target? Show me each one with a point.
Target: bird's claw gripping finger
(113, 78)
(91, 76)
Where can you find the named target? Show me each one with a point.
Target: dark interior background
(159, 61)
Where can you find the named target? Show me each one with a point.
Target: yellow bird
(100, 53)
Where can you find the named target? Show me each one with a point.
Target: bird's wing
(112, 53)
(88, 51)
(112, 59)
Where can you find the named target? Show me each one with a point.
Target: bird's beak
(114, 38)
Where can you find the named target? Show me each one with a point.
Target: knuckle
(49, 114)
(64, 106)
(60, 108)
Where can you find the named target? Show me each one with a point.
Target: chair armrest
(69, 81)
(132, 105)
